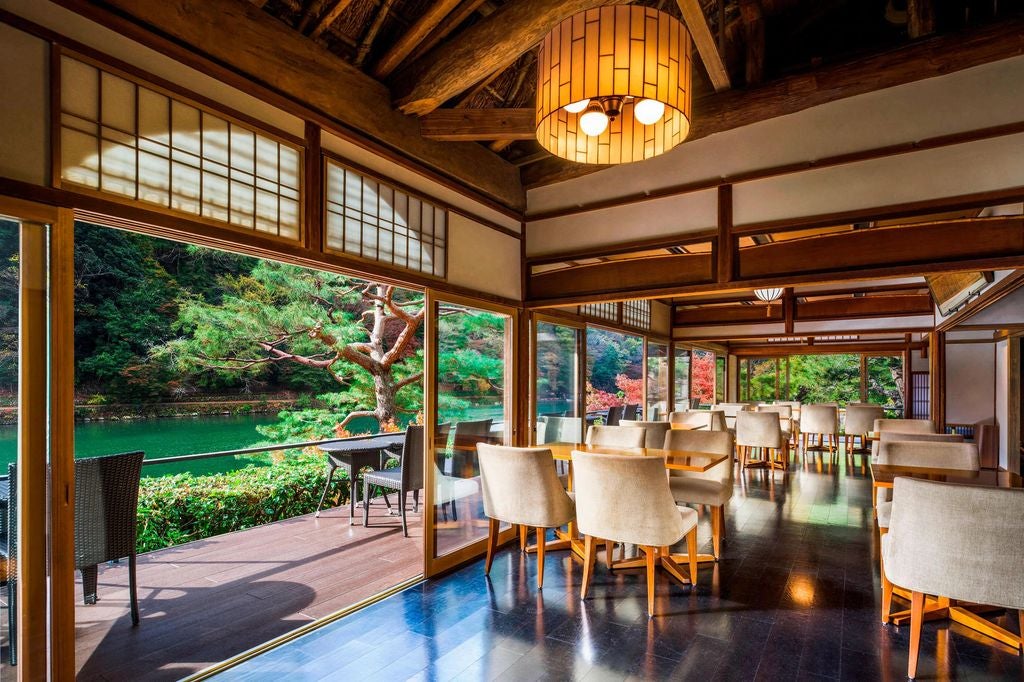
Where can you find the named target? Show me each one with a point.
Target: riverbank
(85, 412)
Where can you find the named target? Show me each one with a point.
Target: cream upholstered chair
(608, 484)
(785, 413)
(616, 436)
(693, 419)
(961, 542)
(885, 437)
(762, 430)
(819, 420)
(654, 432)
(521, 487)
(712, 487)
(860, 420)
(882, 426)
(921, 453)
(730, 410)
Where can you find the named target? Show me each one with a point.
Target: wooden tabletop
(884, 474)
(680, 460)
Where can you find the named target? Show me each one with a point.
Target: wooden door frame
(45, 562)
(535, 318)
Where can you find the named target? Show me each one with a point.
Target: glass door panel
(557, 411)
(884, 383)
(681, 378)
(657, 381)
(702, 378)
(472, 404)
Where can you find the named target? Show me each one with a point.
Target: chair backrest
(715, 442)
(860, 419)
(520, 485)
(889, 436)
(785, 413)
(106, 506)
(958, 541)
(691, 418)
(819, 419)
(731, 409)
(654, 431)
(614, 415)
(904, 425)
(625, 498)
(412, 458)
(759, 429)
(630, 412)
(616, 436)
(472, 431)
(718, 422)
(930, 454)
(562, 430)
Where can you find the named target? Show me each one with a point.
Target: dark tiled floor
(795, 597)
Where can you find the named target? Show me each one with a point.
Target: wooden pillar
(725, 246)
(937, 377)
(313, 189)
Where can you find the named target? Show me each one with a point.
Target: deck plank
(205, 601)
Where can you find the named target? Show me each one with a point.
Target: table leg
(353, 494)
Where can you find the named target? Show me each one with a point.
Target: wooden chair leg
(691, 555)
(716, 531)
(589, 556)
(541, 539)
(650, 556)
(886, 598)
(609, 548)
(492, 543)
(916, 619)
(523, 532)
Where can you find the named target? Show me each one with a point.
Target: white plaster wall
(661, 318)
(1002, 405)
(662, 217)
(970, 382)
(24, 117)
(483, 259)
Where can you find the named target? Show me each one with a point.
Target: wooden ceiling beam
(485, 47)
(248, 49)
(463, 125)
(779, 350)
(697, 22)
(401, 49)
(936, 56)
(329, 17)
(809, 311)
(449, 24)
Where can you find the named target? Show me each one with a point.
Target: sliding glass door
(470, 400)
(557, 413)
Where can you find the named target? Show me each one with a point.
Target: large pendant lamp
(613, 85)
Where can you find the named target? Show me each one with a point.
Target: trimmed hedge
(182, 507)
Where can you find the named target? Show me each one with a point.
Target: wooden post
(725, 245)
(937, 373)
(314, 188)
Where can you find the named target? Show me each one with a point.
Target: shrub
(183, 507)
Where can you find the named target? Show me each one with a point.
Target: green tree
(365, 338)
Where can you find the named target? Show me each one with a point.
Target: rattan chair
(405, 478)
(106, 511)
(9, 550)
(467, 435)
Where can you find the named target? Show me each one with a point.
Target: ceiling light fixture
(769, 296)
(613, 85)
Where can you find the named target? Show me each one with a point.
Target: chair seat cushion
(689, 518)
(699, 491)
(388, 477)
(884, 512)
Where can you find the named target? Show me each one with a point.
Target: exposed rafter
(459, 125)
(695, 20)
(411, 38)
(450, 23)
(329, 17)
(489, 45)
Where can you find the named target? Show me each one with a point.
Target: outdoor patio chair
(406, 477)
(106, 510)
(614, 415)
(467, 435)
(630, 413)
(9, 552)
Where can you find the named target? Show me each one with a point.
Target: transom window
(123, 137)
(370, 219)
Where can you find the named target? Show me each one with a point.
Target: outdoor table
(353, 455)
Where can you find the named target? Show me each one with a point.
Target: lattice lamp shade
(614, 85)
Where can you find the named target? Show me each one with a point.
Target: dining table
(675, 460)
(938, 607)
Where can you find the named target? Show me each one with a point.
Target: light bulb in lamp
(648, 111)
(577, 107)
(594, 121)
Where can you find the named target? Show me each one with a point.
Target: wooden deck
(205, 601)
